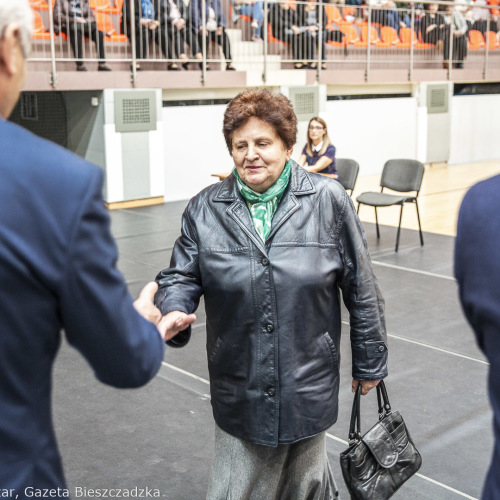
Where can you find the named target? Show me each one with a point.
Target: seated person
(253, 9)
(144, 23)
(215, 26)
(172, 33)
(76, 20)
(308, 16)
(432, 25)
(456, 23)
(387, 15)
(284, 27)
(318, 154)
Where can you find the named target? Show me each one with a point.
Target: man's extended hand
(175, 322)
(145, 305)
(366, 385)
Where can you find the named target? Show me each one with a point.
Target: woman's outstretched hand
(174, 322)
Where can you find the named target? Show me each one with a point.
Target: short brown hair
(271, 107)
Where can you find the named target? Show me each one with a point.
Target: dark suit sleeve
(97, 312)
(477, 263)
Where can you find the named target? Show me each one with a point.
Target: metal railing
(273, 36)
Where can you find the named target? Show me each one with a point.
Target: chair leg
(399, 227)
(357, 211)
(419, 226)
(376, 222)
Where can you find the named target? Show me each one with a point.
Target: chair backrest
(492, 40)
(347, 170)
(350, 32)
(389, 35)
(407, 35)
(476, 38)
(402, 175)
(332, 14)
(374, 38)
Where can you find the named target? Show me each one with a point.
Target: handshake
(170, 324)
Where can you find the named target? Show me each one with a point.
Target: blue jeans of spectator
(255, 11)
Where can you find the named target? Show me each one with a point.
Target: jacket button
(270, 391)
(269, 328)
(381, 348)
(264, 261)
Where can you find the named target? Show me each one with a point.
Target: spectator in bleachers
(285, 28)
(144, 23)
(253, 9)
(318, 154)
(433, 25)
(215, 26)
(386, 14)
(172, 33)
(308, 19)
(76, 20)
(456, 28)
(481, 13)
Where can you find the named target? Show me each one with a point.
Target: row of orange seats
(103, 9)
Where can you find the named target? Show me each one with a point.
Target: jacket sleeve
(363, 299)
(97, 312)
(179, 286)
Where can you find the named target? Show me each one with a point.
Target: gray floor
(161, 436)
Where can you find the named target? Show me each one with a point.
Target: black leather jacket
(273, 311)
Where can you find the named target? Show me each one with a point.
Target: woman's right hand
(174, 322)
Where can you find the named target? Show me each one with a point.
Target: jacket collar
(300, 184)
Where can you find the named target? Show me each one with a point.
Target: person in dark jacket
(76, 20)
(309, 19)
(144, 23)
(57, 273)
(214, 29)
(270, 248)
(477, 269)
(432, 27)
(284, 27)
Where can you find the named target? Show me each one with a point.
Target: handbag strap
(384, 408)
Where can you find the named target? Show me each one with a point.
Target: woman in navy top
(318, 154)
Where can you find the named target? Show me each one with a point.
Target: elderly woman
(270, 248)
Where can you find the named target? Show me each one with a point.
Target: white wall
(474, 128)
(371, 131)
(194, 149)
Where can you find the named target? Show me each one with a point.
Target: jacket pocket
(331, 350)
(216, 351)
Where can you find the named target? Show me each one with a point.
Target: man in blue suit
(477, 269)
(57, 272)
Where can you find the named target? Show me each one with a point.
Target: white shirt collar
(318, 147)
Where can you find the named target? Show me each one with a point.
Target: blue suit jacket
(477, 268)
(57, 271)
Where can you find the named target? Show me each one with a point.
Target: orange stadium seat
(39, 5)
(349, 10)
(390, 36)
(493, 41)
(39, 32)
(107, 6)
(105, 24)
(332, 14)
(406, 38)
(350, 32)
(476, 40)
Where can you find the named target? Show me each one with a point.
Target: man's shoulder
(484, 193)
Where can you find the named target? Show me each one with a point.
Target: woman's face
(316, 132)
(259, 154)
(433, 7)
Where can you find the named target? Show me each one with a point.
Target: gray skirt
(248, 471)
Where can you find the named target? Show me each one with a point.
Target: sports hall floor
(161, 436)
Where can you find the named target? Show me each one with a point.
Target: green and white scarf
(263, 206)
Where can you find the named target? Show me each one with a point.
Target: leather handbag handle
(384, 408)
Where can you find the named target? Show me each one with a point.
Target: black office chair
(403, 176)
(348, 172)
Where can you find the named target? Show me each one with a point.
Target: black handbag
(377, 464)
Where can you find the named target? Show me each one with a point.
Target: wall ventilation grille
(437, 99)
(135, 111)
(305, 102)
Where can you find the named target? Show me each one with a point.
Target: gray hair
(17, 12)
